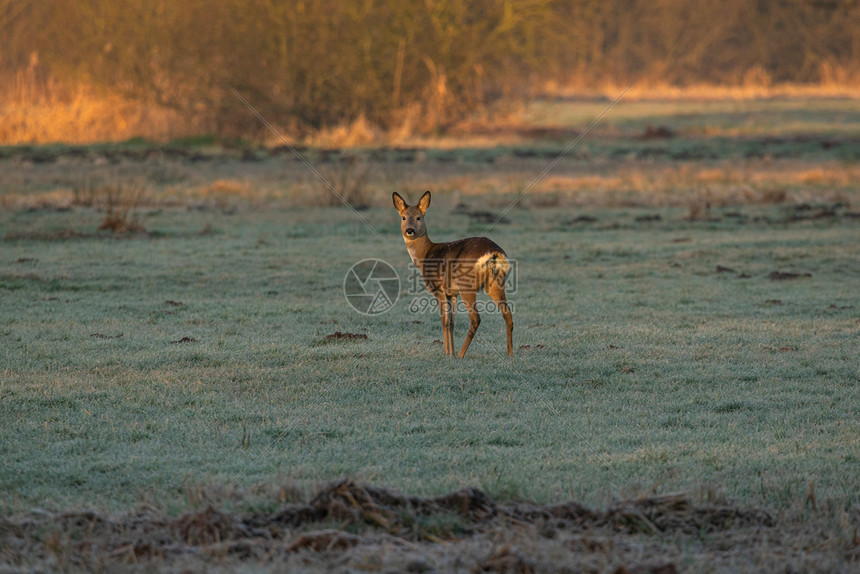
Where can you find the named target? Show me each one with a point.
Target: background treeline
(306, 65)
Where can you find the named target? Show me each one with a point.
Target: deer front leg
(442, 302)
(452, 313)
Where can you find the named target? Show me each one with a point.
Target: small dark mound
(338, 336)
(786, 275)
(657, 133)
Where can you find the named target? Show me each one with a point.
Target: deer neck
(418, 249)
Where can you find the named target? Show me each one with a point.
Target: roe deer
(463, 267)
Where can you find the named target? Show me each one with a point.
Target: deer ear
(399, 204)
(424, 202)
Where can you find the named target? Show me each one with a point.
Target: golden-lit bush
(416, 66)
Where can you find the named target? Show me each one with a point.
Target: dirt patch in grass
(786, 275)
(343, 336)
(352, 525)
(103, 336)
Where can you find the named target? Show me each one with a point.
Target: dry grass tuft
(360, 132)
(202, 528)
(350, 178)
(505, 559)
(700, 210)
(34, 112)
(121, 209)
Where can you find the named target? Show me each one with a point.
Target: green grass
(655, 371)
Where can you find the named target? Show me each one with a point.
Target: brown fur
(457, 268)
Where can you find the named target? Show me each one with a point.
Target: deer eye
(404, 218)
(418, 218)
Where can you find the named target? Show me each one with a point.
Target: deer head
(412, 217)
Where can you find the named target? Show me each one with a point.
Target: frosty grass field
(181, 388)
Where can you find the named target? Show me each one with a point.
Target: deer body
(458, 268)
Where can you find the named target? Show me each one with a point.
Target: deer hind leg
(469, 298)
(496, 291)
(452, 312)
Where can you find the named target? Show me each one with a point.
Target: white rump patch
(493, 261)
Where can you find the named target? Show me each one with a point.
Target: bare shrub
(349, 178)
(773, 196)
(84, 191)
(121, 208)
(699, 210)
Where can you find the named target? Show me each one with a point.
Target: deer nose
(410, 232)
